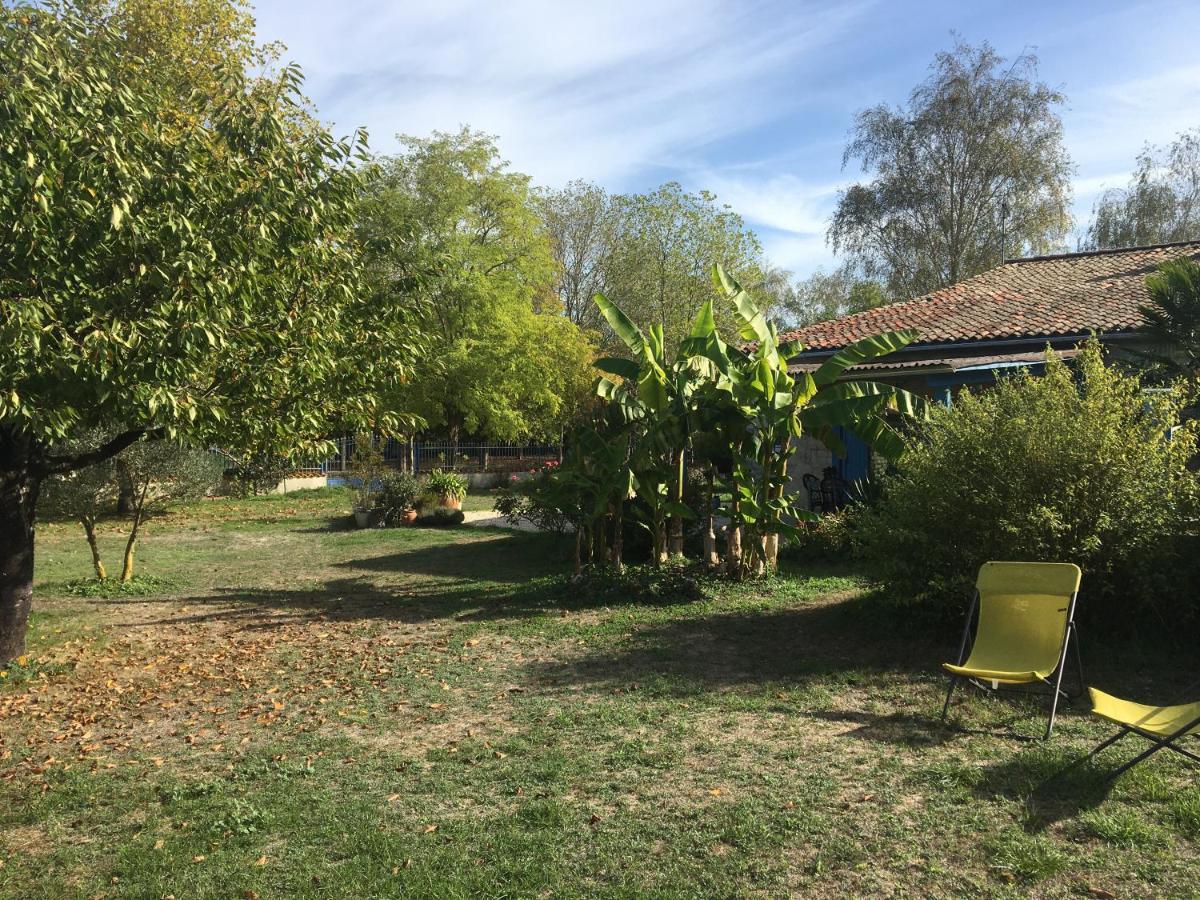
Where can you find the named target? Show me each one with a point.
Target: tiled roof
(1041, 296)
(946, 363)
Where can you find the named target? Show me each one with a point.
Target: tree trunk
(131, 544)
(19, 485)
(618, 538)
(89, 529)
(676, 526)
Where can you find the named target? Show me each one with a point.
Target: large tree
(827, 295)
(456, 240)
(1160, 204)
(971, 170)
(189, 276)
(662, 259)
(583, 222)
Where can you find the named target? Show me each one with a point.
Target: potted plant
(398, 498)
(366, 466)
(445, 489)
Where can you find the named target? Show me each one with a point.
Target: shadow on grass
(1052, 783)
(493, 575)
(900, 729)
(830, 642)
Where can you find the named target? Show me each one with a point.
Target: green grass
(303, 709)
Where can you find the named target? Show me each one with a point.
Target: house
(973, 331)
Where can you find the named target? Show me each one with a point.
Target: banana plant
(778, 406)
(656, 390)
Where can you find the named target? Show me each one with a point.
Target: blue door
(857, 462)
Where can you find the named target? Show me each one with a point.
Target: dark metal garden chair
(816, 499)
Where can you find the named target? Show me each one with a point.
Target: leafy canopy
(194, 275)
(1161, 202)
(455, 241)
(970, 170)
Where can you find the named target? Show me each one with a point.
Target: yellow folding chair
(1161, 725)
(1025, 622)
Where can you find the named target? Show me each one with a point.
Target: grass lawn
(304, 710)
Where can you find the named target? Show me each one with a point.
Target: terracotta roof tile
(1041, 296)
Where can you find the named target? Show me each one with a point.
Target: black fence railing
(457, 456)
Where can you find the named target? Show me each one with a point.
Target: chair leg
(1054, 702)
(1158, 745)
(1078, 661)
(949, 694)
(1082, 759)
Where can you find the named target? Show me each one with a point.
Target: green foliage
(545, 499)
(254, 474)
(670, 240)
(828, 537)
(455, 245)
(971, 170)
(828, 295)
(108, 589)
(440, 517)
(366, 468)
(398, 492)
(1171, 320)
(738, 410)
(445, 484)
(1072, 466)
(184, 269)
(1161, 203)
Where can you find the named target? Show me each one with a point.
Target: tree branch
(56, 465)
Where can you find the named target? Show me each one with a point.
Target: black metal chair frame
(816, 500)
(1055, 685)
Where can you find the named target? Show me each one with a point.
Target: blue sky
(752, 101)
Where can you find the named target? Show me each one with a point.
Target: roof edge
(1134, 248)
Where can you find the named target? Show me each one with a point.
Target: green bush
(1080, 465)
(397, 492)
(831, 537)
(441, 517)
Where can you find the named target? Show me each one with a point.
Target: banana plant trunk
(711, 558)
(676, 525)
(618, 538)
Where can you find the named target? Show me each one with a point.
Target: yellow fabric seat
(999, 675)
(1022, 629)
(1159, 720)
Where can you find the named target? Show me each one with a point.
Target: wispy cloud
(751, 100)
(608, 91)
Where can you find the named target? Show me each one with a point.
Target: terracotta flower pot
(408, 516)
(451, 502)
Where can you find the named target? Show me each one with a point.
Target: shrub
(1076, 466)
(830, 537)
(256, 475)
(397, 492)
(441, 517)
(544, 498)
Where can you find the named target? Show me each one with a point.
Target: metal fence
(418, 456)
(462, 456)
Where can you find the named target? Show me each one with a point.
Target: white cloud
(604, 91)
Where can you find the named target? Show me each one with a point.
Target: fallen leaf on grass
(261, 861)
(198, 859)
(716, 792)
(430, 829)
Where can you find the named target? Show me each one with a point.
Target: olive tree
(191, 277)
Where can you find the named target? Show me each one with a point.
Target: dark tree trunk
(19, 484)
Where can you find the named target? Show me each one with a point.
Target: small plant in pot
(398, 498)
(366, 467)
(445, 490)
